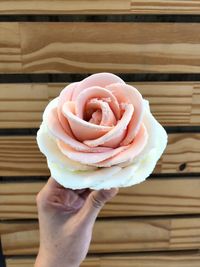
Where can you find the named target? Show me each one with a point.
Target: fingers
(55, 196)
(48, 187)
(86, 193)
(51, 183)
(42, 196)
(72, 200)
(95, 202)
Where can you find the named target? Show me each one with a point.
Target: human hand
(66, 220)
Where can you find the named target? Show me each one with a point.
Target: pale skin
(66, 220)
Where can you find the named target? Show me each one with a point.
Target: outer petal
(98, 79)
(157, 136)
(49, 148)
(119, 179)
(157, 141)
(147, 160)
(88, 158)
(128, 94)
(65, 95)
(80, 179)
(132, 150)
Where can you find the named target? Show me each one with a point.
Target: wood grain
(79, 47)
(172, 103)
(170, 259)
(20, 156)
(89, 262)
(154, 197)
(165, 6)
(10, 48)
(100, 7)
(123, 235)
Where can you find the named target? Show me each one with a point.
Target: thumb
(95, 202)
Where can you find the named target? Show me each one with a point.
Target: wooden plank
(17, 200)
(165, 6)
(20, 156)
(22, 262)
(122, 235)
(10, 47)
(100, 7)
(186, 259)
(172, 103)
(72, 47)
(89, 262)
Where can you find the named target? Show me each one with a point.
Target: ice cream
(99, 133)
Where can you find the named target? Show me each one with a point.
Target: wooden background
(153, 45)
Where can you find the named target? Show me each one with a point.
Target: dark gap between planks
(146, 18)
(36, 179)
(74, 77)
(33, 131)
(107, 218)
(121, 254)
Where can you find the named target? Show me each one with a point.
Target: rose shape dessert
(99, 133)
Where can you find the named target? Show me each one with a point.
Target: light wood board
(153, 197)
(186, 259)
(172, 103)
(100, 7)
(79, 47)
(122, 235)
(20, 156)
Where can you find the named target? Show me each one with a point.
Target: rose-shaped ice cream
(99, 133)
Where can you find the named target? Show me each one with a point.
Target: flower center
(98, 111)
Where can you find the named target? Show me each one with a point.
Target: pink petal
(87, 158)
(115, 142)
(98, 79)
(56, 129)
(64, 96)
(128, 94)
(96, 92)
(96, 117)
(107, 118)
(81, 129)
(117, 133)
(132, 150)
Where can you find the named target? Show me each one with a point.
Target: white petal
(49, 148)
(157, 134)
(81, 179)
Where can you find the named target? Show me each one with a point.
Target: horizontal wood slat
(20, 156)
(78, 47)
(153, 197)
(172, 103)
(113, 236)
(170, 259)
(89, 262)
(100, 7)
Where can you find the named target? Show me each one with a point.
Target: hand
(66, 220)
